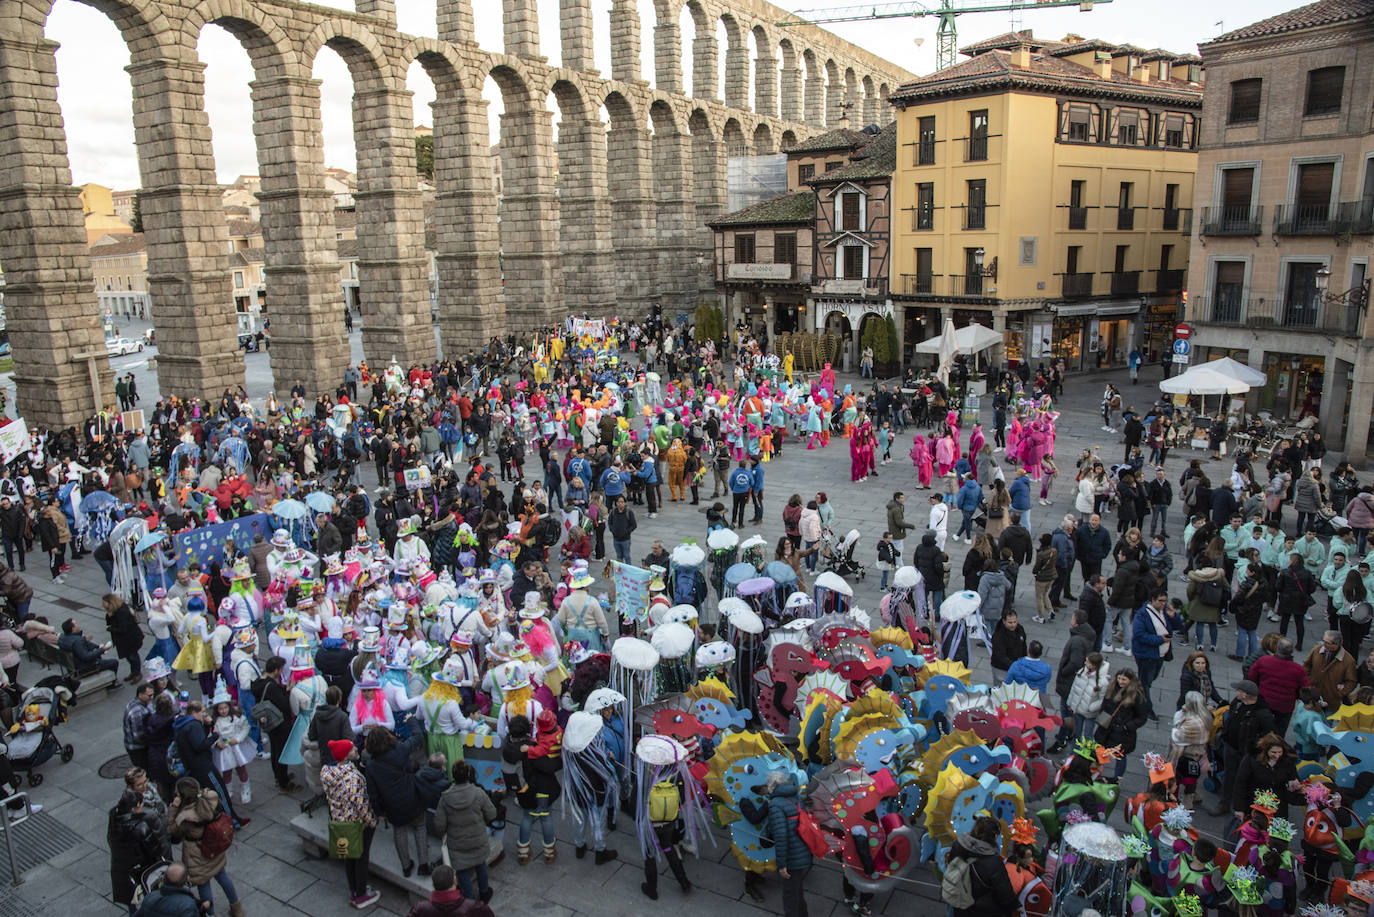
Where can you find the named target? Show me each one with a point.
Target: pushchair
(839, 556)
(33, 741)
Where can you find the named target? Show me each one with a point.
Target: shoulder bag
(345, 840)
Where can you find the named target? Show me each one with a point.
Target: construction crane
(946, 33)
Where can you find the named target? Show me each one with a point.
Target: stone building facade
(596, 241)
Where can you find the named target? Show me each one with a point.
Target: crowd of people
(372, 649)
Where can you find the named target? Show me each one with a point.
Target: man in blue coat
(612, 484)
(1150, 639)
(756, 492)
(1061, 539)
(967, 500)
(1020, 492)
(741, 482)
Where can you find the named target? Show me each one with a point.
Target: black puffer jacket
(929, 561)
(391, 784)
(1126, 721)
(993, 895)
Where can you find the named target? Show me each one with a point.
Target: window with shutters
(977, 135)
(976, 214)
(1128, 128)
(925, 142)
(1173, 132)
(1236, 192)
(805, 172)
(744, 248)
(925, 205)
(925, 278)
(784, 248)
(1245, 101)
(850, 213)
(1313, 204)
(853, 262)
(1324, 88)
(1228, 290)
(1079, 119)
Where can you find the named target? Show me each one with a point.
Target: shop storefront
(1157, 339)
(918, 323)
(1089, 336)
(1295, 385)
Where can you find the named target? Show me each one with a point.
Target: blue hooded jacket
(969, 496)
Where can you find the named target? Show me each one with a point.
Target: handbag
(1189, 768)
(267, 715)
(1104, 720)
(345, 840)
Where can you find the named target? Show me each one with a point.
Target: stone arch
(520, 27)
(852, 107)
(789, 140)
(668, 45)
(708, 191)
(585, 220)
(813, 110)
(675, 209)
(704, 51)
(790, 105)
(765, 73)
(142, 23)
(629, 168)
(736, 92)
(441, 63)
(514, 81)
(834, 94)
(870, 101)
(733, 135)
(763, 139)
(362, 52)
(267, 44)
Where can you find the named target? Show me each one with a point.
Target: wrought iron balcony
(1077, 286)
(1241, 220)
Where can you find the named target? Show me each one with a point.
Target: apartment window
(744, 248)
(1078, 214)
(1227, 290)
(925, 279)
(850, 218)
(1166, 254)
(925, 146)
(833, 164)
(973, 272)
(1125, 214)
(1314, 191)
(1302, 297)
(1078, 124)
(1071, 261)
(238, 280)
(977, 204)
(805, 172)
(1236, 190)
(1171, 207)
(1194, 73)
(977, 135)
(853, 262)
(1324, 88)
(785, 248)
(1173, 131)
(1245, 101)
(1128, 128)
(925, 205)
(1119, 264)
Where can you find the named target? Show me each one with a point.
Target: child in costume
(538, 789)
(233, 748)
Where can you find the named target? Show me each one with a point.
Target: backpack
(686, 590)
(1212, 593)
(175, 766)
(664, 802)
(218, 835)
(956, 883)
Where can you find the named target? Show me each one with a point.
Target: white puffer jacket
(1085, 697)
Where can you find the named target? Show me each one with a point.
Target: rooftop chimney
(1021, 56)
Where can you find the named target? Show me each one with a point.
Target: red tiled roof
(239, 229)
(1008, 40)
(1323, 12)
(124, 244)
(1046, 72)
(839, 139)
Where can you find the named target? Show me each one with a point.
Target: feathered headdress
(1160, 769)
(1023, 831)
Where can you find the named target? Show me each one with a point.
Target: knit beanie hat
(340, 748)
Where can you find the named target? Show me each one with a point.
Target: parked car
(117, 346)
(248, 343)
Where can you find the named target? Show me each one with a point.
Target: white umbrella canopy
(968, 340)
(1237, 370)
(1204, 380)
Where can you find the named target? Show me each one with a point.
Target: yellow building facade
(1042, 190)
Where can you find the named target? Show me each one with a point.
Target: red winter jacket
(1279, 681)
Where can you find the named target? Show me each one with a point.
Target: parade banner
(205, 544)
(14, 440)
(417, 478)
(631, 591)
(132, 420)
(596, 327)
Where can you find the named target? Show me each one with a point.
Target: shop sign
(852, 287)
(758, 271)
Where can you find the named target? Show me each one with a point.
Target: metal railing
(968, 285)
(976, 149)
(1077, 286)
(921, 284)
(1300, 314)
(922, 219)
(976, 216)
(925, 153)
(7, 824)
(1125, 218)
(1311, 220)
(1078, 217)
(1357, 217)
(1125, 283)
(1171, 218)
(1241, 220)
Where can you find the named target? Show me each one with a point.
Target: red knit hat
(340, 748)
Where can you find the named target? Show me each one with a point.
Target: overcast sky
(96, 104)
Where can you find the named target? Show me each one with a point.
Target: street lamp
(1357, 296)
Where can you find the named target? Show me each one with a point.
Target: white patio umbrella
(1238, 370)
(1204, 380)
(968, 340)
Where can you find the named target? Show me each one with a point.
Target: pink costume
(920, 457)
(856, 461)
(828, 380)
(867, 447)
(1033, 450)
(975, 444)
(1014, 439)
(944, 454)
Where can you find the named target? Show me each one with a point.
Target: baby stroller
(839, 556)
(33, 741)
